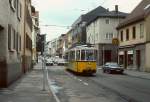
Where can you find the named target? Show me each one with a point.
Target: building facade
(79, 26)
(53, 47)
(101, 31)
(35, 32)
(11, 32)
(134, 36)
(62, 45)
(27, 37)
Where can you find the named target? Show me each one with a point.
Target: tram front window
(83, 55)
(90, 56)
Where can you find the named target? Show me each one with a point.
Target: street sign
(115, 41)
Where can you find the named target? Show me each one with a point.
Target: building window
(107, 21)
(134, 32)
(9, 37)
(121, 36)
(141, 30)
(127, 34)
(14, 39)
(106, 36)
(110, 35)
(28, 43)
(13, 4)
(19, 8)
(96, 36)
(18, 42)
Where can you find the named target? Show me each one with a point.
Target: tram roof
(83, 47)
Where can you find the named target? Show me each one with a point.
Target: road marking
(50, 88)
(75, 77)
(85, 83)
(99, 68)
(79, 79)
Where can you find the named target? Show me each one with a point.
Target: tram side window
(72, 55)
(66, 56)
(95, 54)
(83, 55)
(90, 55)
(78, 55)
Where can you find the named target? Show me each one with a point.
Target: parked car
(111, 67)
(49, 62)
(61, 62)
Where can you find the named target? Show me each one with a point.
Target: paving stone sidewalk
(139, 74)
(27, 89)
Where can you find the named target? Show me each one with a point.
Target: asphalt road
(100, 87)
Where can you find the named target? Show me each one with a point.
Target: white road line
(50, 88)
(75, 77)
(85, 83)
(99, 68)
(79, 79)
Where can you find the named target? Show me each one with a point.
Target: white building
(101, 31)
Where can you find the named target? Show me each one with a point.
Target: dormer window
(148, 6)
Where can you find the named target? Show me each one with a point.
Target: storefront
(130, 58)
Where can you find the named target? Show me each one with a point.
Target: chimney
(108, 9)
(116, 8)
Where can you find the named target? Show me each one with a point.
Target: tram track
(90, 80)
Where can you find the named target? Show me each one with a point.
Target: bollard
(44, 74)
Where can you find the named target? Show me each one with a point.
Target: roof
(138, 14)
(90, 15)
(110, 14)
(83, 47)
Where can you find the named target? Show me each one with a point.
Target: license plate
(117, 70)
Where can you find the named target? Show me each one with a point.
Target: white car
(61, 62)
(49, 62)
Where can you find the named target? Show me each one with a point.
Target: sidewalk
(138, 74)
(28, 89)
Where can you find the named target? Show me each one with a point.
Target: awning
(1, 27)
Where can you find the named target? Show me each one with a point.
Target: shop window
(130, 58)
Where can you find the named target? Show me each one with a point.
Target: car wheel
(108, 71)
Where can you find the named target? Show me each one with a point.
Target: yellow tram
(82, 59)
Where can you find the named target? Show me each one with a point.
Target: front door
(138, 59)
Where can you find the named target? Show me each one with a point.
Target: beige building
(35, 32)
(69, 38)
(27, 38)
(134, 36)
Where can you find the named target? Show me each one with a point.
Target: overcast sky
(63, 13)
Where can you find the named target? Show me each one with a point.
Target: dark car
(111, 67)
